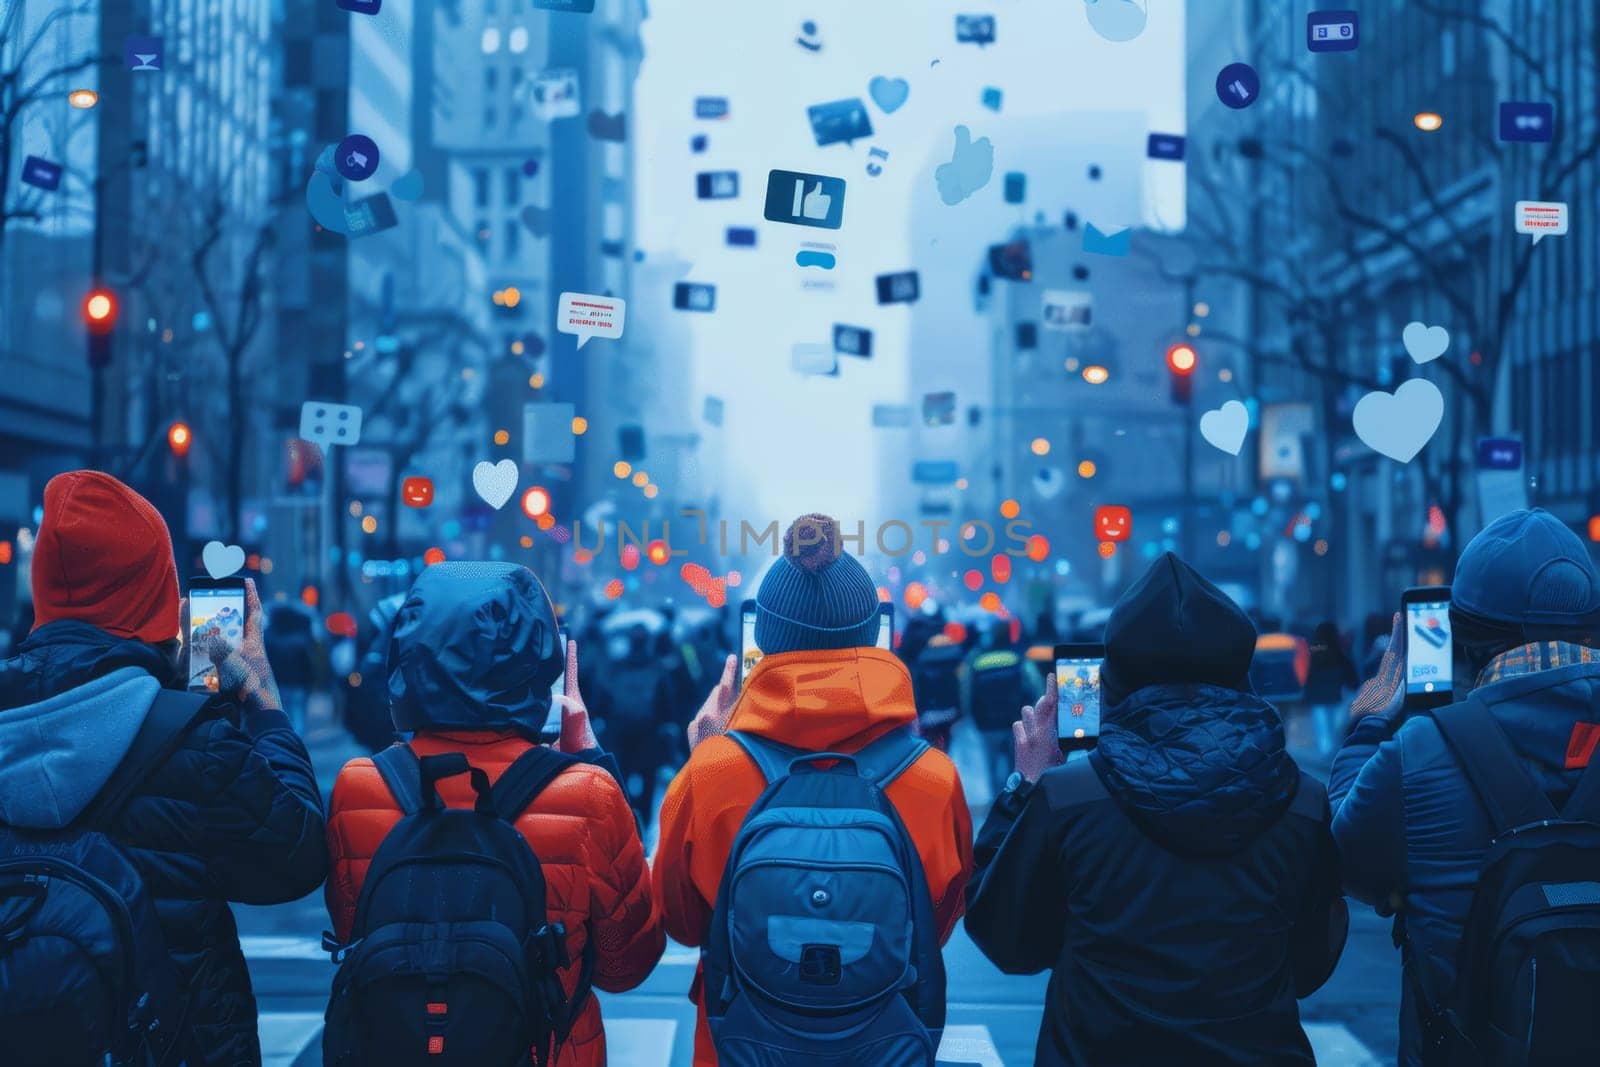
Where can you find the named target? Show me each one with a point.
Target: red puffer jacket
(581, 829)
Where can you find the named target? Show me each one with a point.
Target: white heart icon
(221, 560)
(1225, 427)
(1425, 343)
(1398, 424)
(495, 482)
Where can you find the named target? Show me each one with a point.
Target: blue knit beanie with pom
(816, 596)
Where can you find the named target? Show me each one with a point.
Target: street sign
(1499, 453)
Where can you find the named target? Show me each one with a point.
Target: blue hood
(56, 754)
(474, 648)
(1201, 769)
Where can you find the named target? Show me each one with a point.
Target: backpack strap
(890, 756)
(1508, 792)
(163, 730)
(523, 781)
(772, 758)
(402, 773)
(1584, 803)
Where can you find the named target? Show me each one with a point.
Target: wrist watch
(1015, 792)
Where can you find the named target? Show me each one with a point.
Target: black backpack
(84, 973)
(1527, 983)
(452, 959)
(997, 688)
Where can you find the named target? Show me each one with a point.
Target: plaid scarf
(1535, 657)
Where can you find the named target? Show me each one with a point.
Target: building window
(491, 40)
(513, 241)
(513, 186)
(517, 41)
(490, 116)
(481, 232)
(514, 114)
(480, 186)
(490, 79)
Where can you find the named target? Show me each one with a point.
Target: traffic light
(100, 316)
(1181, 360)
(179, 438)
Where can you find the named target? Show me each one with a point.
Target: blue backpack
(823, 948)
(84, 971)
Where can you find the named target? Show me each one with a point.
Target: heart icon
(1425, 343)
(1225, 427)
(537, 220)
(889, 93)
(221, 560)
(495, 482)
(1398, 424)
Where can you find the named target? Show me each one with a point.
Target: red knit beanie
(103, 556)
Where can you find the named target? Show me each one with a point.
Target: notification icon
(416, 492)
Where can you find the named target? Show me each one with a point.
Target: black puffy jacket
(233, 814)
(1180, 880)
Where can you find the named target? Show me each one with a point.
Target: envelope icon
(1106, 241)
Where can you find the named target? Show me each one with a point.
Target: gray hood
(55, 755)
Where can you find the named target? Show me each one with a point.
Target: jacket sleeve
(625, 922)
(1016, 910)
(684, 912)
(342, 888)
(262, 826)
(950, 900)
(1323, 923)
(1369, 812)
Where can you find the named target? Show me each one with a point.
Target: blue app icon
(741, 237)
(841, 120)
(710, 107)
(1527, 120)
(805, 199)
(975, 29)
(362, 7)
(991, 98)
(1332, 31)
(1112, 241)
(579, 6)
(356, 158)
(1499, 454)
(694, 296)
(717, 184)
(1164, 146)
(697, 143)
(852, 341)
(902, 287)
(1238, 85)
(41, 173)
(1016, 187)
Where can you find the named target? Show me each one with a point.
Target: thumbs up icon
(805, 199)
(814, 205)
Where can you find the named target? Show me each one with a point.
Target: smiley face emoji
(1113, 522)
(417, 492)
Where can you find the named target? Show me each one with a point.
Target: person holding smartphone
(1179, 879)
(210, 794)
(1501, 668)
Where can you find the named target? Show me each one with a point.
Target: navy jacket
(1412, 831)
(234, 813)
(1180, 882)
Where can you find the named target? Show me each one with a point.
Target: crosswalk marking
(645, 1042)
(268, 947)
(1334, 1044)
(969, 1044)
(287, 1034)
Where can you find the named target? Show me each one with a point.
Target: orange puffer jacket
(836, 701)
(581, 829)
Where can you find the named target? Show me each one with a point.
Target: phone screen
(552, 721)
(1428, 652)
(1078, 689)
(223, 607)
(886, 630)
(749, 654)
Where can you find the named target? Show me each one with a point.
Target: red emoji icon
(417, 492)
(1113, 522)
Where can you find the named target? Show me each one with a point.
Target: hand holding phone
(551, 731)
(1035, 734)
(216, 623)
(1429, 649)
(1077, 678)
(749, 654)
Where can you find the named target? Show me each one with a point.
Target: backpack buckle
(820, 964)
(550, 942)
(335, 949)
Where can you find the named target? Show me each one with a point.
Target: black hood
(1201, 769)
(1172, 627)
(63, 655)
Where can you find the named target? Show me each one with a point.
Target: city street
(993, 1018)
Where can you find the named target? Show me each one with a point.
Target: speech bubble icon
(587, 315)
(1541, 218)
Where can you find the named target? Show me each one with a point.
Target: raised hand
(577, 734)
(712, 719)
(1385, 693)
(1035, 735)
(243, 673)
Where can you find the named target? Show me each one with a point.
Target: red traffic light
(179, 438)
(1181, 359)
(100, 310)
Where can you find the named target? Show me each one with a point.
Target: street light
(1181, 360)
(179, 438)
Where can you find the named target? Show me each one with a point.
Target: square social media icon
(416, 492)
(146, 53)
(1527, 120)
(717, 184)
(805, 199)
(41, 173)
(741, 237)
(694, 296)
(839, 120)
(1332, 31)
(901, 287)
(1113, 522)
(330, 424)
(852, 341)
(710, 107)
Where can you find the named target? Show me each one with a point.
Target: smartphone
(749, 654)
(551, 731)
(1429, 650)
(886, 626)
(215, 602)
(1078, 690)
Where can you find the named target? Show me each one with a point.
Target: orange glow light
(1038, 548)
(916, 593)
(432, 556)
(1107, 549)
(1010, 509)
(973, 580)
(614, 589)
